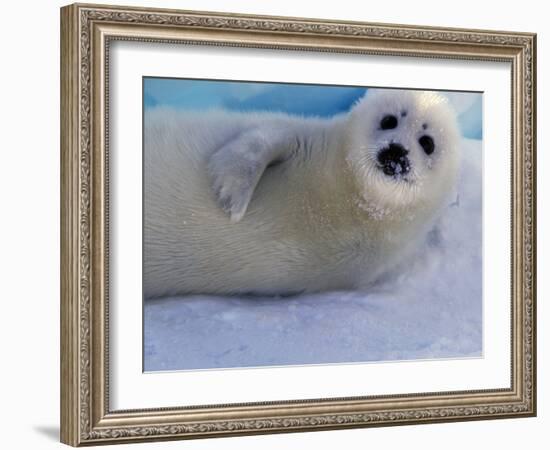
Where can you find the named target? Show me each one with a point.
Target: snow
(431, 307)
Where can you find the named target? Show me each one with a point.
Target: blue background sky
(307, 100)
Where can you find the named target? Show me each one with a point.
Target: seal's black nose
(393, 160)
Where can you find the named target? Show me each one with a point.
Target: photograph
(279, 224)
(275, 225)
(299, 224)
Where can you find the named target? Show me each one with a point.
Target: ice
(430, 307)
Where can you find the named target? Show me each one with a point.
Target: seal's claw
(233, 180)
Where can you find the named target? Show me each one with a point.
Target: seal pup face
(403, 149)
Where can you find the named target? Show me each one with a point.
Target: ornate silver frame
(86, 32)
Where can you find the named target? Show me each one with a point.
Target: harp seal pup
(275, 204)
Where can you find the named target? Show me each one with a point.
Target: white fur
(322, 217)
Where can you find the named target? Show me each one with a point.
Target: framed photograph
(276, 224)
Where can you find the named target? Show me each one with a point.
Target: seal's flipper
(236, 168)
(234, 178)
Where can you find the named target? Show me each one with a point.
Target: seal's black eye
(388, 122)
(427, 143)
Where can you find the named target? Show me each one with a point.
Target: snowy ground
(431, 309)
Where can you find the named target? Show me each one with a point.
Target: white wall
(29, 241)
